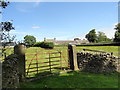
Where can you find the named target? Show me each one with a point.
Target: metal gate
(44, 63)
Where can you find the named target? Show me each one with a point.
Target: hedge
(44, 44)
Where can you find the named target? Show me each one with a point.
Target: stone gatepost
(73, 57)
(20, 51)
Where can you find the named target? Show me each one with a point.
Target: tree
(76, 39)
(117, 33)
(101, 37)
(91, 36)
(29, 40)
(3, 4)
(5, 28)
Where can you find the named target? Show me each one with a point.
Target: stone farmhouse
(59, 42)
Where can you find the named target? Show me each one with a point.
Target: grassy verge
(75, 80)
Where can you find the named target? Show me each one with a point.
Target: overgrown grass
(75, 79)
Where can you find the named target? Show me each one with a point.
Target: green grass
(75, 80)
(72, 79)
(8, 51)
(113, 49)
(44, 53)
(64, 50)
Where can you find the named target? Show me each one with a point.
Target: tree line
(101, 37)
(95, 38)
(92, 37)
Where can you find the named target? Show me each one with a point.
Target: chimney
(54, 39)
(44, 39)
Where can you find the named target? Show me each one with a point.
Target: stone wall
(10, 73)
(97, 63)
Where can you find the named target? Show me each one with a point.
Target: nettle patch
(97, 63)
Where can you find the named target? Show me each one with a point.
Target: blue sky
(61, 20)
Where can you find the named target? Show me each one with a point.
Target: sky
(61, 20)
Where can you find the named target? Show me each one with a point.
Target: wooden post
(20, 51)
(72, 57)
(37, 60)
(60, 59)
(50, 63)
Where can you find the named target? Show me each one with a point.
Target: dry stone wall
(97, 62)
(10, 73)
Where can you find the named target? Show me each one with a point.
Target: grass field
(114, 49)
(72, 79)
(44, 53)
(7, 51)
(40, 55)
(75, 79)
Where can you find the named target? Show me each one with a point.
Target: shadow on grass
(61, 68)
(43, 74)
(75, 79)
(55, 70)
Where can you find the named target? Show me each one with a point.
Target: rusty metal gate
(44, 63)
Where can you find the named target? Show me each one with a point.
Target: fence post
(50, 63)
(72, 57)
(20, 51)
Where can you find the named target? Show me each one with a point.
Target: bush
(44, 44)
(37, 44)
(47, 45)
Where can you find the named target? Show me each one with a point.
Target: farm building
(59, 42)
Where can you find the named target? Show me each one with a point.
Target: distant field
(113, 49)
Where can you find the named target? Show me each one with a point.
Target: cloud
(108, 31)
(23, 8)
(115, 24)
(16, 32)
(27, 7)
(35, 27)
(36, 4)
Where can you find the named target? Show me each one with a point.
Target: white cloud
(15, 32)
(108, 31)
(26, 7)
(35, 27)
(36, 4)
(115, 24)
